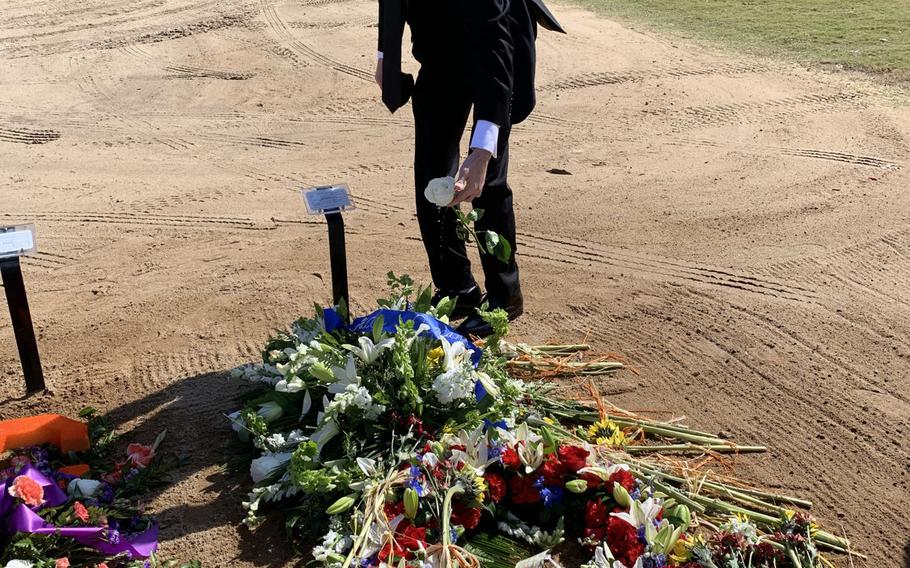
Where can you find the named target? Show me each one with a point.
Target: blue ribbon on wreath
(391, 319)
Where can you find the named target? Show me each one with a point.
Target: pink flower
(140, 455)
(62, 563)
(80, 511)
(28, 490)
(102, 565)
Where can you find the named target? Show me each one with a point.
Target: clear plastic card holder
(17, 240)
(328, 199)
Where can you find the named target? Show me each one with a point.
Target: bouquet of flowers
(57, 514)
(394, 441)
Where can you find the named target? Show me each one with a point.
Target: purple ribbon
(23, 519)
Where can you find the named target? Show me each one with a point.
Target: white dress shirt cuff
(378, 55)
(486, 136)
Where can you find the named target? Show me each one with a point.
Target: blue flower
(654, 561)
(551, 496)
(414, 481)
(487, 424)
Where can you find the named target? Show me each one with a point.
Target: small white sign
(327, 199)
(17, 240)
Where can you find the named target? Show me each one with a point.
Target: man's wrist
(482, 153)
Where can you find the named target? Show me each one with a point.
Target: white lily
(344, 376)
(368, 351)
(531, 455)
(476, 454)
(455, 355)
(488, 384)
(307, 404)
(326, 431)
(603, 472)
(367, 466)
(641, 514)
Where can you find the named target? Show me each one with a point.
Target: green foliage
(400, 290)
(498, 320)
(870, 35)
(497, 551)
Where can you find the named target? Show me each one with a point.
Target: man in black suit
(472, 53)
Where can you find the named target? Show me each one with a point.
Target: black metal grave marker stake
(332, 201)
(15, 241)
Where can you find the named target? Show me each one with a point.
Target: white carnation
(440, 191)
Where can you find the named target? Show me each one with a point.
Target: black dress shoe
(476, 326)
(465, 302)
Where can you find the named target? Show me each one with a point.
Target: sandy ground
(738, 229)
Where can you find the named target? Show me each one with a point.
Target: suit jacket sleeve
(379, 46)
(491, 47)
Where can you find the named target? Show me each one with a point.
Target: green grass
(867, 35)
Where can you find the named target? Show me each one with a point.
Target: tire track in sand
(828, 155)
(583, 252)
(598, 79)
(281, 31)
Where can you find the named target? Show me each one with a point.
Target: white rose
(440, 191)
(264, 466)
(83, 488)
(19, 564)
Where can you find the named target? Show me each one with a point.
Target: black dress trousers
(442, 105)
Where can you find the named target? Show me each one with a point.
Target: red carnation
(523, 491)
(468, 517)
(596, 514)
(510, 458)
(572, 458)
(624, 478)
(407, 539)
(392, 510)
(622, 538)
(552, 471)
(412, 538)
(496, 486)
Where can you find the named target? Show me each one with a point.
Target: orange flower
(62, 563)
(80, 511)
(27, 489)
(140, 455)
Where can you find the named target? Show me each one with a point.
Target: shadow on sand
(202, 494)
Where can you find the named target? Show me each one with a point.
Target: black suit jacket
(488, 42)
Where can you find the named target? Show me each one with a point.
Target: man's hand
(379, 73)
(471, 176)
